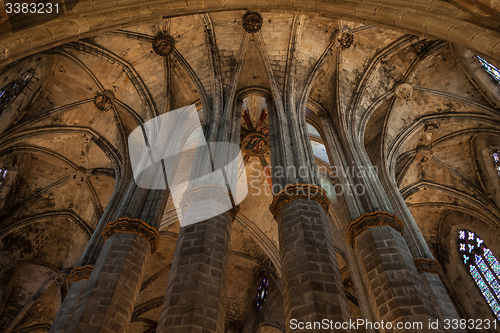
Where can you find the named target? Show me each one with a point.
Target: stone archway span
(438, 19)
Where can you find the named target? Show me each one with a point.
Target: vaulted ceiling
(66, 157)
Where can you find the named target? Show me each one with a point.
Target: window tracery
(9, 92)
(483, 267)
(496, 160)
(3, 175)
(490, 69)
(262, 293)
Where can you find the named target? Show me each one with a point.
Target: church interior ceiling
(412, 103)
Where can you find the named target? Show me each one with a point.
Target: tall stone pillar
(77, 280)
(421, 253)
(80, 274)
(115, 259)
(103, 300)
(396, 288)
(107, 299)
(431, 272)
(312, 285)
(196, 288)
(374, 209)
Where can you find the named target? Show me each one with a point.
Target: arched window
(262, 293)
(490, 69)
(496, 160)
(318, 147)
(483, 266)
(14, 88)
(3, 174)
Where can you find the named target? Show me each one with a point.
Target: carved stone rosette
(78, 176)
(403, 90)
(134, 226)
(252, 22)
(428, 266)
(104, 100)
(80, 273)
(163, 44)
(343, 39)
(369, 220)
(298, 191)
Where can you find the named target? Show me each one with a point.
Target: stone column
(107, 298)
(382, 196)
(313, 289)
(418, 247)
(431, 272)
(196, 288)
(396, 290)
(79, 275)
(128, 202)
(312, 285)
(77, 279)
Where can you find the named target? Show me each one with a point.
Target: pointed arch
(483, 266)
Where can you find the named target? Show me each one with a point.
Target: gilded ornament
(428, 266)
(80, 273)
(134, 226)
(298, 191)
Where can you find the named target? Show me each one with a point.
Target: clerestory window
(490, 69)
(483, 267)
(262, 293)
(496, 160)
(3, 175)
(14, 88)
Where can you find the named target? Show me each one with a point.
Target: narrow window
(14, 88)
(3, 175)
(490, 69)
(496, 160)
(262, 293)
(483, 267)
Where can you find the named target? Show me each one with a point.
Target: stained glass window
(496, 160)
(490, 69)
(14, 88)
(262, 293)
(3, 174)
(482, 265)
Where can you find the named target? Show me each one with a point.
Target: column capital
(370, 220)
(428, 266)
(234, 211)
(80, 273)
(134, 226)
(298, 191)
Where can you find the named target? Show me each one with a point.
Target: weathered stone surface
(396, 289)
(107, 299)
(196, 289)
(67, 162)
(312, 287)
